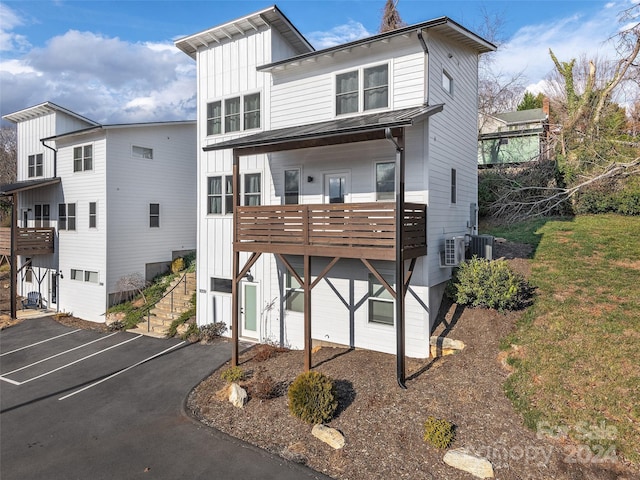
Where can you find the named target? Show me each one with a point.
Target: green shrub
(488, 283)
(312, 397)
(232, 374)
(438, 432)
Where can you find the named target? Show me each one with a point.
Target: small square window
(76, 274)
(91, 277)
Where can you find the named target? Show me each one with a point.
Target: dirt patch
(383, 424)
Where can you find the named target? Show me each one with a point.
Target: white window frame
(91, 276)
(93, 216)
(241, 114)
(373, 297)
(447, 82)
(76, 274)
(214, 121)
(85, 160)
(138, 151)
(245, 195)
(361, 89)
(226, 202)
(290, 291)
(66, 219)
(35, 165)
(284, 186)
(380, 196)
(39, 218)
(454, 186)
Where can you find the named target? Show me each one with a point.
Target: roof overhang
(340, 131)
(443, 26)
(11, 188)
(42, 109)
(271, 16)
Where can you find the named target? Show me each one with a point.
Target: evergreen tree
(530, 101)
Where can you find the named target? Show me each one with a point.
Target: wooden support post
(307, 313)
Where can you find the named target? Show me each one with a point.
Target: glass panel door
(249, 310)
(336, 188)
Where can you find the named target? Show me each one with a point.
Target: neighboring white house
(116, 199)
(318, 141)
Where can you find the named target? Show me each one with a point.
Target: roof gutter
(425, 48)
(55, 157)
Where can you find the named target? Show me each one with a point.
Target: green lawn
(577, 360)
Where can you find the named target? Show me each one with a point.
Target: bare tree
(8, 154)
(134, 282)
(390, 17)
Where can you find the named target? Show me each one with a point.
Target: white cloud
(103, 78)
(348, 32)
(10, 41)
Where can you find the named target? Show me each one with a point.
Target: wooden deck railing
(347, 230)
(31, 241)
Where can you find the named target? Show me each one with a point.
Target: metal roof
(443, 26)
(117, 126)
(43, 109)
(271, 16)
(11, 188)
(333, 128)
(522, 116)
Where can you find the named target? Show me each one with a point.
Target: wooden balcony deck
(346, 230)
(31, 241)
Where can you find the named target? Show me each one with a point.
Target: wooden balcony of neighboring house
(346, 230)
(29, 241)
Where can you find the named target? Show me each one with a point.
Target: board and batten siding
(168, 179)
(83, 248)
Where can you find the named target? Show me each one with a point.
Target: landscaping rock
(442, 346)
(328, 435)
(463, 459)
(237, 395)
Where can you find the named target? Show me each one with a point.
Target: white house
(97, 202)
(325, 175)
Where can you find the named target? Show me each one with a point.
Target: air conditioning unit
(481, 246)
(454, 251)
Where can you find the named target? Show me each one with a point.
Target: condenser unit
(481, 246)
(454, 251)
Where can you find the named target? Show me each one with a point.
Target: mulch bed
(383, 424)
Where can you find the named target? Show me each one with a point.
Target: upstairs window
(347, 93)
(35, 165)
(362, 90)
(93, 214)
(251, 111)
(142, 152)
(232, 114)
(214, 118)
(66, 216)
(447, 82)
(83, 158)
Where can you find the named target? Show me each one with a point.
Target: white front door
(336, 188)
(249, 313)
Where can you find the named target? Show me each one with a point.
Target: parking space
(84, 404)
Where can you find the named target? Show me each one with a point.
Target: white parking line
(38, 343)
(8, 380)
(79, 360)
(58, 354)
(121, 371)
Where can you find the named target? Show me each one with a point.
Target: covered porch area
(392, 231)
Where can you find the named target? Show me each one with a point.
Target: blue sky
(115, 61)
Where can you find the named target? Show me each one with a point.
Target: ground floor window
(381, 303)
(294, 294)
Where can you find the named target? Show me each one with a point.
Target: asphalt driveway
(89, 405)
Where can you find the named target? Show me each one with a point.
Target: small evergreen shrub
(232, 374)
(312, 397)
(488, 283)
(438, 432)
